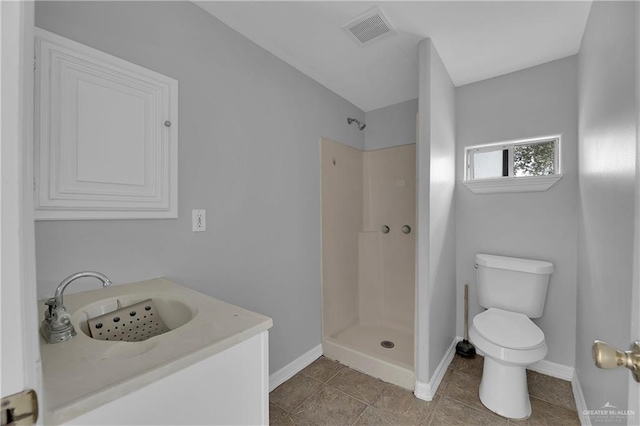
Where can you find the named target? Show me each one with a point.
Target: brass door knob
(606, 356)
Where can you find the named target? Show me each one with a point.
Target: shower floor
(359, 348)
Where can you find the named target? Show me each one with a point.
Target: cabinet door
(106, 135)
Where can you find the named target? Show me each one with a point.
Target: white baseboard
(422, 391)
(581, 404)
(444, 364)
(552, 369)
(294, 367)
(426, 391)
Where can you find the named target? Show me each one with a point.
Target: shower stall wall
(368, 252)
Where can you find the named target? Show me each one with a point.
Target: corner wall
(442, 226)
(249, 152)
(538, 101)
(436, 273)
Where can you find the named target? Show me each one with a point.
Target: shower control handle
(385, 229)
(406, 229)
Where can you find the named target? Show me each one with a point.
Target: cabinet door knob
(167, 123)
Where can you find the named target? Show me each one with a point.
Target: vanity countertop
(82, 374)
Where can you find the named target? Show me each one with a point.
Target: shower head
(361, 126)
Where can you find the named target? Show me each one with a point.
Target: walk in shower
(368, 259)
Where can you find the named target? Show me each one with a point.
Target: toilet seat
(510, 330)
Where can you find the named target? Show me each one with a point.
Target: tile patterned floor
(328, 393)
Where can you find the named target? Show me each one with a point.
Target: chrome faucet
(56, 326)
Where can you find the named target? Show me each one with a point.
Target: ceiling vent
(369, 27)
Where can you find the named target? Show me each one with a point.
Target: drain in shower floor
(388, 344)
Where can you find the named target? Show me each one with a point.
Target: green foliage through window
(534, 159)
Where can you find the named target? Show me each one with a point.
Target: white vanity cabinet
(230, 388)
(106, 136)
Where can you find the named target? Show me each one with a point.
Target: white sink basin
(84, 373)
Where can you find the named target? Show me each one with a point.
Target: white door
(20, 354)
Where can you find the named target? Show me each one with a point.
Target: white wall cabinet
(106, 137)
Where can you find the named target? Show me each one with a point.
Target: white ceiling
(475, 39)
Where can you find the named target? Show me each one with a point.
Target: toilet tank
(512, 284)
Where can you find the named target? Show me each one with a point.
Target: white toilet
(513, 290)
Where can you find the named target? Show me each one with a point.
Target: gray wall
(607, 196)
(248, 153)
(442, 219)
(538, 101)
(393, 125)
(436, 285)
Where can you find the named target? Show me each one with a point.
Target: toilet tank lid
(514, 264)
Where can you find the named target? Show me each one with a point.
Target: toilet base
(503, 389)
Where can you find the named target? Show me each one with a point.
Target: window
(518, 166)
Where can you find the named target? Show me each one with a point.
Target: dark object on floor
(465, 348)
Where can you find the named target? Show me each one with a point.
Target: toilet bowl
(510, 342)
(513, 290)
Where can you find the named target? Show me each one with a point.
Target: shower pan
(368, 259)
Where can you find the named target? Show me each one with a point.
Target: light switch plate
(199, 220)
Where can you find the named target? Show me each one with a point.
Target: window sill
(520, 184)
